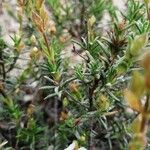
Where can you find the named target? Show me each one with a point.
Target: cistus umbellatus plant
(75, 76)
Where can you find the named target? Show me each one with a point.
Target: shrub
(95, 98)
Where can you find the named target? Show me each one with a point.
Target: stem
(3, 69)
(144, 118)
(46, 42)
(91, 91)
(1, 11)
(55, 121)
(82, 17)
(74, 50)
(3, 94)
(147, 10)
(90, 140)
(4, 73)
(72, 99)
(12, 65)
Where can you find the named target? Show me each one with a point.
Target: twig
(144, 119)
(91, 91)
(3, 69)
(74, 50)
(74, 100)
(3, 93)
(46, 42)
(13, 64)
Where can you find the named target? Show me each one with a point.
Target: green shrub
(54, 103)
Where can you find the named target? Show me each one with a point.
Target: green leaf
(147, 2)
(138, 142)
(137, 84)
(132, 101)
(138, 43)
(136, 124)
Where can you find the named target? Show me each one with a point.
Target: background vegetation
(86, 83)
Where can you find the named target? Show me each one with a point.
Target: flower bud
(35, 53)
(33, 39)
(52, 29)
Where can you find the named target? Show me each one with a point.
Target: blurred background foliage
(80, 56)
